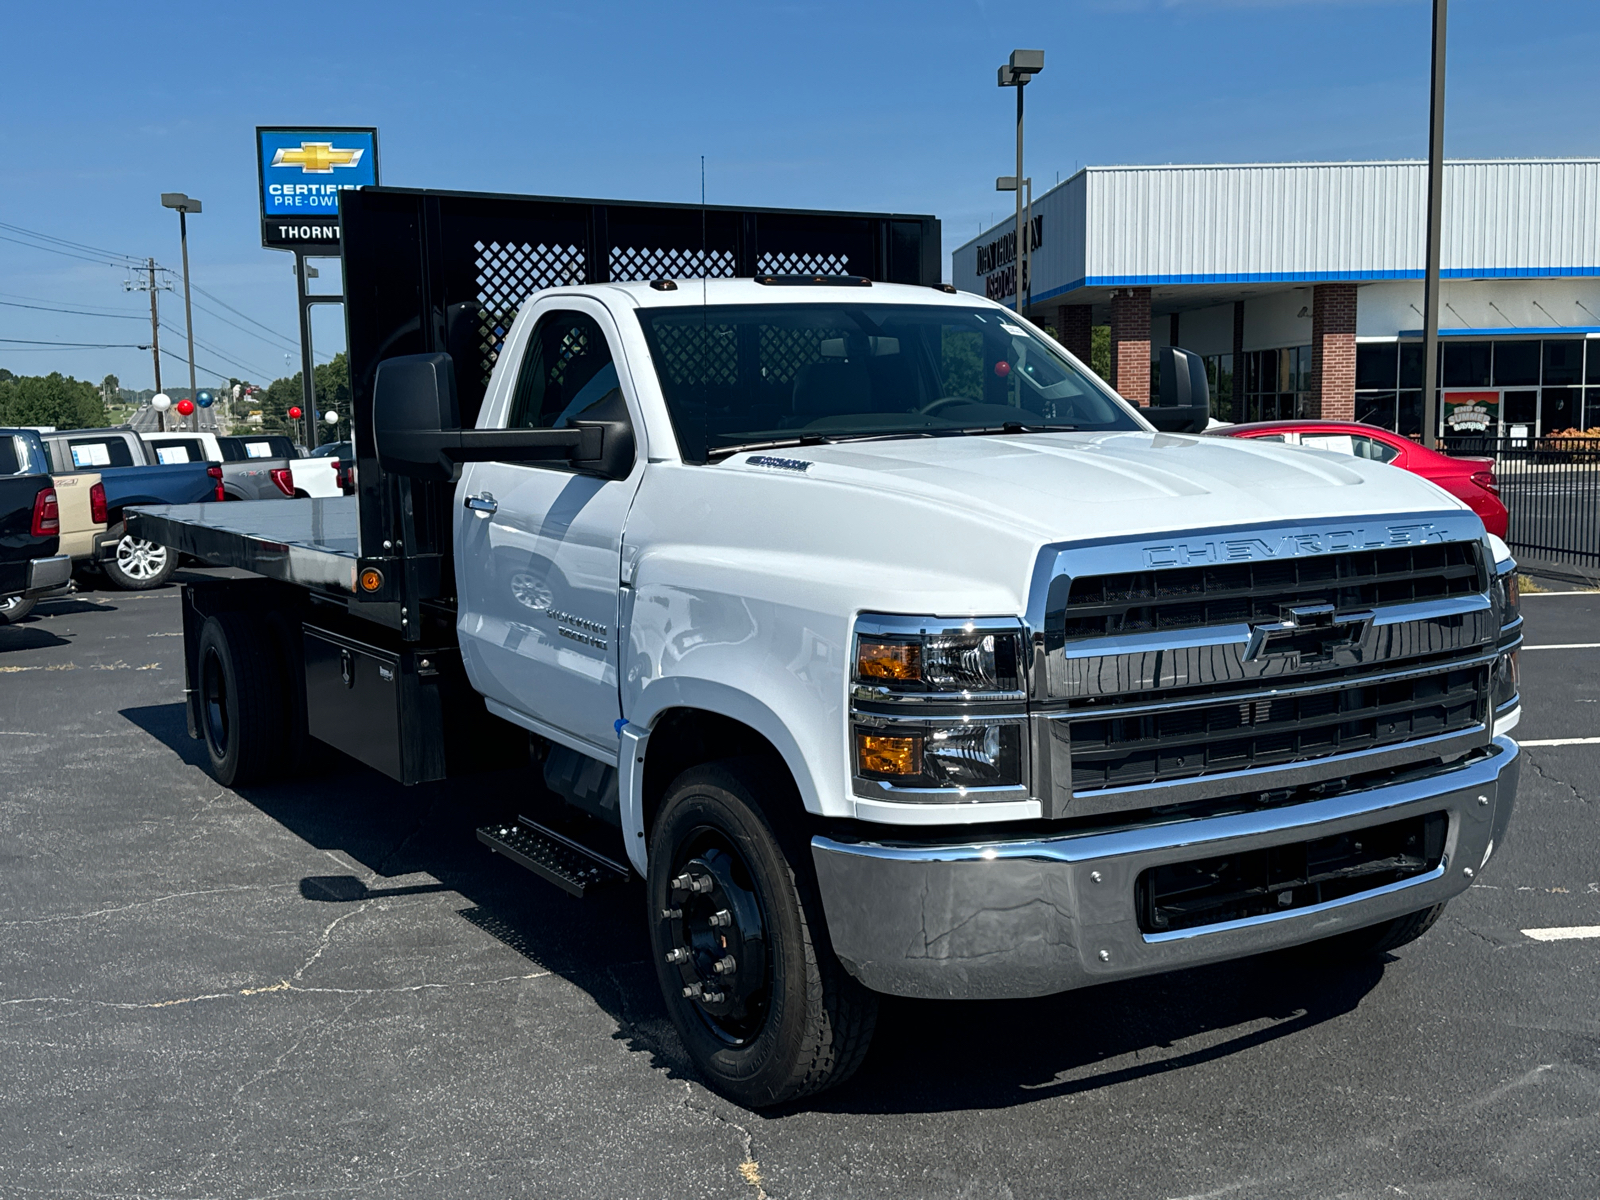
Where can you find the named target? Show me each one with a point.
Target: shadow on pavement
(28, 634)
(928, 1056)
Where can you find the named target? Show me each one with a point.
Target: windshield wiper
(1011, 427)
(810, 439)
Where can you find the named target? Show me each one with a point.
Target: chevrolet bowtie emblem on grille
(315, 158)
(1308, 635)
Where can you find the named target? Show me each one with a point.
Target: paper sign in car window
(1013, 330)
(93, 454)
(1339, 443)
(258, 449)
(173, 454)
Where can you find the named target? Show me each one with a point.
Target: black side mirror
(1184, 403)
(416, 422)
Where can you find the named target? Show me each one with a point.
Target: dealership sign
(997, 261)
(302, 172)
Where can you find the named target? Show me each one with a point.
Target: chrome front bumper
(1013, 918)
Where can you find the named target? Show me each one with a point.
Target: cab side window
(567, 370)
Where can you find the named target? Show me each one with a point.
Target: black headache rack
(429, 271)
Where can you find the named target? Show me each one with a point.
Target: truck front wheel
(241, 701)
(763, 1007)
(138, 564)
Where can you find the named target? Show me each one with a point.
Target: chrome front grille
(1182, 599)
(1266, 660)
(1169, 744)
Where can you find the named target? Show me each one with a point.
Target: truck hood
(1076, 486)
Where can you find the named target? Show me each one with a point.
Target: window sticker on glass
(1013, 330)
(258, 449)
(94, 454)
(173, 454)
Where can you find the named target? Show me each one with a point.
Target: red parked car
(1470, 480)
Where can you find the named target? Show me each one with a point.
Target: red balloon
(294, 413)
(184, 407)
(1002, 368)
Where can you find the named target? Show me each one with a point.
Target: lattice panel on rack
(508, 274)
(784, 351)
(642, 262)
(693, 352)
(796, 263)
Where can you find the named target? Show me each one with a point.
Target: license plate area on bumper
(1284, 878)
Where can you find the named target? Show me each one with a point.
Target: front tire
(241, 705)
(763, 1007)
(14, 608)
(138, 564)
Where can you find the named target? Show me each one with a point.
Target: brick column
(1130, 344)
(1075, 329)
(1333, 351)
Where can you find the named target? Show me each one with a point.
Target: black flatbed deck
(314, 543)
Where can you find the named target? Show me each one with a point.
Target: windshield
(748, 375)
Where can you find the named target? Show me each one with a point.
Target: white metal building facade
(1302, 283)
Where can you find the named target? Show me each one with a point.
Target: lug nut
(681, 883)
(721, 917)
(712, 998)
(672, 914)
(726, 965)
(677, 954)
(692, 992)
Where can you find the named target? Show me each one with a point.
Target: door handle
(484, 504)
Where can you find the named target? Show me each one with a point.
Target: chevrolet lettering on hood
(1246, 549)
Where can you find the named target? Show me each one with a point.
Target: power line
(67, 253)
(78, 312)
(108, 308)
(50, 237)
(293, 343)
(175, 332)
(40, 343)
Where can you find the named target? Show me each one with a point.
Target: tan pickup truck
(82, 501)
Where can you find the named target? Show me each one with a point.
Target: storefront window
(1563, 362)
(1466, 364)
(1376, 408)
(1410, 422)
(1560, 410)
(1376, 365)
(1516, 364)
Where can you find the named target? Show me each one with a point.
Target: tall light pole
(1024, 65)
(185, 205)
(1430, 274)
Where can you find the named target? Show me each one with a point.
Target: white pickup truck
(891, 648)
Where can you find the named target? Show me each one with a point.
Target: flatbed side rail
(313, 545)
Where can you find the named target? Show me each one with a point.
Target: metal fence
(1551, 488)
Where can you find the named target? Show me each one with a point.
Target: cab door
(538, 546)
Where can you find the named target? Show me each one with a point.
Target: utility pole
(1430, 275)
(155, 326)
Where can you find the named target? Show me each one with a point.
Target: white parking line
(1594, 741)
(1562, 933)
(1566, 646)
(1525, 595)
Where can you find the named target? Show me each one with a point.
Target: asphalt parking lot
(328, 988)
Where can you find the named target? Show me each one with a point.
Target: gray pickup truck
(254, 467)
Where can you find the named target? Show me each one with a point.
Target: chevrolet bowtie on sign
(302, 173)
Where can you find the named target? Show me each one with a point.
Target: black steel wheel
(242, 701)
(762, 1005)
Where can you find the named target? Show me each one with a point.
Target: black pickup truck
(29, 526)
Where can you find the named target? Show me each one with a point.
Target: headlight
(956, 755)
(911, 656)
(1503, 688)
(938, 709)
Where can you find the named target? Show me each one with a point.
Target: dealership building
(1301, 284)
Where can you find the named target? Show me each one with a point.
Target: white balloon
(331, 417)
(161, 402)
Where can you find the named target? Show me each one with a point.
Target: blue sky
(835, 105)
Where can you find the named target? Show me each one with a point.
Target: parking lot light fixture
(185, 205)
(1022, 67)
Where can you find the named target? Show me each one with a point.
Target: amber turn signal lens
(889, 660)
(888, 755)
(371, 579)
